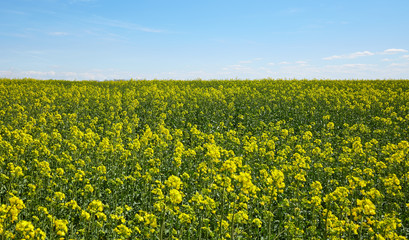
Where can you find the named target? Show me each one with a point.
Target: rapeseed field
(265, 159)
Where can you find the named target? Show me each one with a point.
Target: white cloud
(284, 63)
(405, 64)
(405, 56)
(291, 11)
(18, 35)
(251, 61)
(394, 51)
(386, 60)
(81, 1)
(244, 62)
(238, 67)
(6, 74)
(350, 56)
(389, 51)
(302, 63)
(271, 64)
(124, 25)
(356, 65)
(10, 11)
(89, 75)
(58, 33)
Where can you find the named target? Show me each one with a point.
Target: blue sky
(211, 39)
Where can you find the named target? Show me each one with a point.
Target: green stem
(221, 216)
(232, 221)
(200, 227)
(162, 227)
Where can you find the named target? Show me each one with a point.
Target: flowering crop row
(204, 159)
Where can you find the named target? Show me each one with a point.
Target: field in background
(204, 159)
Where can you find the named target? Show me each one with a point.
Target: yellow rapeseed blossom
(61, 227)
(85, 215)
(174, 182)
(185, 218)
(96, 206)
(123, 231)
(59, 196)
(175, 196)
(26, 228)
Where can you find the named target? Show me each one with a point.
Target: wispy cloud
(357, 65)
(15, 12)
(351, 55)
(404, 64)
(292, 11)
(95, 74)
(394, 51)
(58, 33)
(237, 67)
(18, 35)
(81, 1)
(250, 61)
(389, 51)
(124, 25)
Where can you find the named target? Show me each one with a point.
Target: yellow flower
(61, 227)
(213, 152)
(185, 176)
(246, 185)
(174, 182)
(123, 230)
(284, 133)
(96, 206)
(175, 196)
(42, 209)
(73, 205)
(229, 166)
(367, 206)
(26, 228)
(17, 203)
(330, 125)
(148, 152)
(101, 215)
(89, 188)
(17, 171)
(60, 171)
(150, 219)
(158, 192)
(185, 218)
(59, 196)
(239, 217)
(32, 187)
(300, 177)
(257, 222)
(85, 215)
(316, 201)
(316, 188)
(102, 170)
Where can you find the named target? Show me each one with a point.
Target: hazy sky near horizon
(212, 39)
